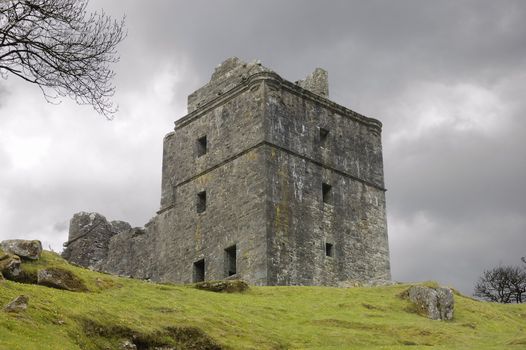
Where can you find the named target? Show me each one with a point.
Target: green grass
(262, 318)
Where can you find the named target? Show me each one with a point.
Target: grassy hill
(149, 314)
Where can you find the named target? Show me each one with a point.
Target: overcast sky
(446, 78)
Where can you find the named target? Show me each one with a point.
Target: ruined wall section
(89, 239)
(131, 254)
(109, 246)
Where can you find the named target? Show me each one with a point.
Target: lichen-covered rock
(128, 345)
(29, 249)
(18, 304)
(228, 286)
(435, 303)
(9, 265)
(55, 277)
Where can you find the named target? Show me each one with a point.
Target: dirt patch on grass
(373, 307)
(164, 310)
(331, 322)
(517, 341)
(178, 337)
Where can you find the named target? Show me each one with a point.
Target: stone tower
(264, 180)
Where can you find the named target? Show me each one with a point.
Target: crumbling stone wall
(266, 172)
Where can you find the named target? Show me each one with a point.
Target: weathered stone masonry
(264, 180)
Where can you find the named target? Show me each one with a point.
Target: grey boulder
(9, 265)
(435, 303)
(55, 277)
(29, 249)
(18, 304)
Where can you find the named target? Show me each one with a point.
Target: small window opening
(230, 261)
(329, 249)
(326, 190)
(199, 271)
(201, 146)
(324, 133)
(201, 202)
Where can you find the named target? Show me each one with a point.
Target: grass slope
(262, 318)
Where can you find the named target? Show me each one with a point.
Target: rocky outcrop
(61, 279)
(28, 249)
(435, 303)
(18, 304)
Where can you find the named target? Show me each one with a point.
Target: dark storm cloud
(446, 79)
(454, 39)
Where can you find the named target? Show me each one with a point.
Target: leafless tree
(62, 48)
(502, 284)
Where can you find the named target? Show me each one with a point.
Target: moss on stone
(227, 286)
(56, 277)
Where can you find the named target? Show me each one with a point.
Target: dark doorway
(199, 271)
(329, 249)
(230, 261)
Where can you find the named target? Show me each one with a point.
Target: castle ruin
(264, 180)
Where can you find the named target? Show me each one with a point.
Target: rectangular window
(324, 133)
(201, 146)
(326, 190)
(199, 271)
(201, 202)
(230, 261)
(329, 249)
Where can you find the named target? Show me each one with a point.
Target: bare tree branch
(59, 46)
(502, 284)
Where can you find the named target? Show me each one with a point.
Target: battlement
(232, 72)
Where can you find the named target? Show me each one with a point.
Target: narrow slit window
(202, 146)
(201, 202)
(326, 191)
(324, 134)
(329, 249)
(230, 261)
(199, 271)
